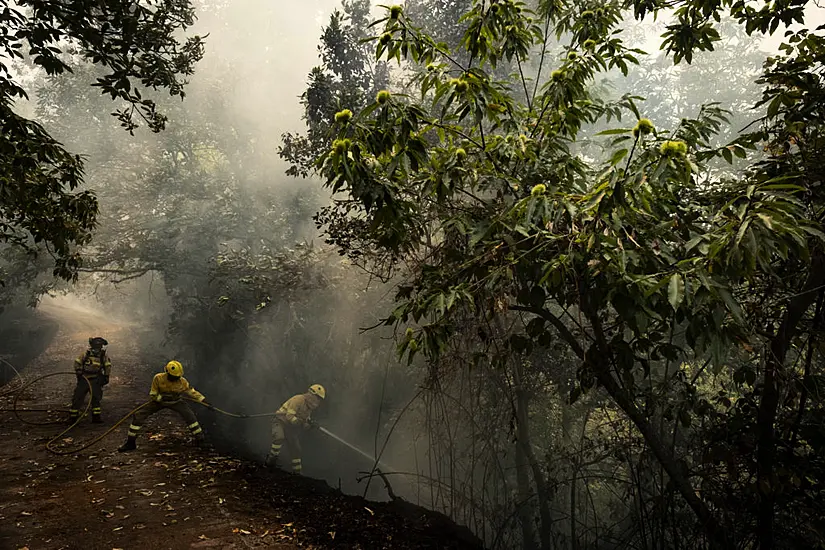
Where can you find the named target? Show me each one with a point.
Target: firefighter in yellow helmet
(167, 392)
(290, 419)
(93, 366)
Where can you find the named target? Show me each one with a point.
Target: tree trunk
(568, 499)
(523, 434)
(525, 497)
(675, 471)
(574, 541)
(806, 375)
(766, 416)
(625, 402)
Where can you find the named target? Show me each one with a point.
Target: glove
(79, 376)
(157, 397)
(312, 425)
(105, 380)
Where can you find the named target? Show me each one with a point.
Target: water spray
(381, 465)
(17, 391)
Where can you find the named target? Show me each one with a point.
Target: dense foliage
(688, 295)
(139, 46)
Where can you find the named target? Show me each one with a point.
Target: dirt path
(167, 494)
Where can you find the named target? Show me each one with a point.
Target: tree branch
(563, 331)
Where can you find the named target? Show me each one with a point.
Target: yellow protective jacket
(296, 410)
(90, 366)
(171, 391)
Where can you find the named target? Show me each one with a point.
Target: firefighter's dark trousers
(80, 392)
(178, 406)
(285, 433)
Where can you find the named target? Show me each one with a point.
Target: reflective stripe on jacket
(296, 410)
(173, 390)
(90, 365)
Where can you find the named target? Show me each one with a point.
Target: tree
(138, 46)
(640, 265)
(347, 76)
(193, 214)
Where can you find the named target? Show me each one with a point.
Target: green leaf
(479, 233)
(692, 243)
(742, 229)
(773, 108)
(675, 290)
(814, 232)
(766, 220)
(618, 156)
(728, 155)
(614, 132)
(731, 303)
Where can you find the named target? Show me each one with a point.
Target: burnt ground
(166, 494)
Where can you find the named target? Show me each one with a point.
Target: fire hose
(18, 391)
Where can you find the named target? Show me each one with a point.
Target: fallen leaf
(117, 528)
(25, 513)
(368, 510)
(332, 534)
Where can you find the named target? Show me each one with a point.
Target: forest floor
(167, 494)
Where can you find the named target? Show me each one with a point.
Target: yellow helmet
(174, 368)
(318, 389)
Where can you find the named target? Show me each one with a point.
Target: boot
(129, 445)
(271, 462)
(96, 419)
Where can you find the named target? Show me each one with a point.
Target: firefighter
(93, 366)
(167, 392)
(294, 415)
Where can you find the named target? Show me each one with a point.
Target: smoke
(268, 50)
(293, 343)
(243, 97)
